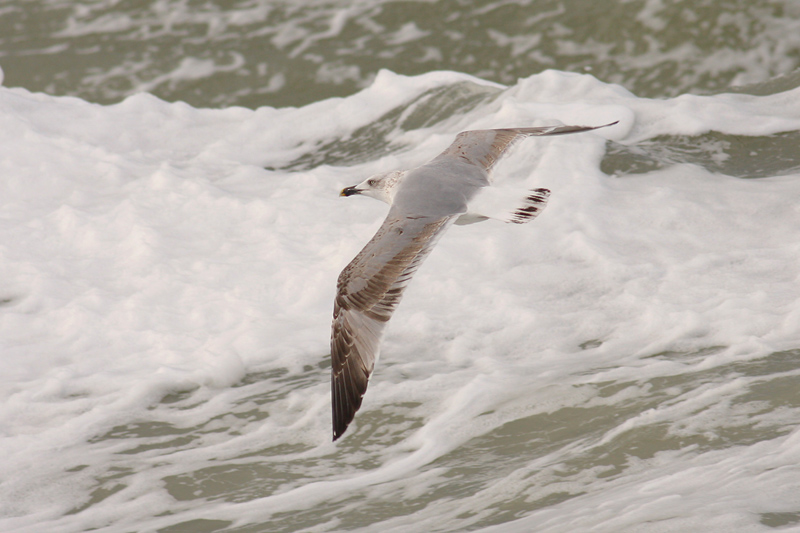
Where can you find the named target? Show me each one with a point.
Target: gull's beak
(350, 191)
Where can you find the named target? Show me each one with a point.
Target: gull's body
(424, 202)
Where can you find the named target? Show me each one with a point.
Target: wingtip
(346, 400)
(338, 431)
(341, 421)
(338, 428)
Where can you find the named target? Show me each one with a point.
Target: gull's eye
(372, 183)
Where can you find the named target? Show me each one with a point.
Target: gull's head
(380, 186)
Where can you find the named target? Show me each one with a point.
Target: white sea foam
(167, 303)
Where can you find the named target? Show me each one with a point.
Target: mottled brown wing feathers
(368, 292)
(484, 148)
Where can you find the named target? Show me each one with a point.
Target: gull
(425, 201)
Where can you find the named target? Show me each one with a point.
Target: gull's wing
(368, 291)
(484, 148)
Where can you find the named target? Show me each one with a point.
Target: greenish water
(279, 53)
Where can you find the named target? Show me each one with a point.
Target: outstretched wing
(484, 148)
(368, 292)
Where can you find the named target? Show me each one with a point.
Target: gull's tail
(531, 207)
(504, 204)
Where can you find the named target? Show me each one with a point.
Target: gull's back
(441, 188)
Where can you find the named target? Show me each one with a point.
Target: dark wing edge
(484, 148)
(368, 291)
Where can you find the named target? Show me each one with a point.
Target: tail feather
(531, 207)
(504, 205)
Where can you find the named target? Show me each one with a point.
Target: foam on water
(628, 362)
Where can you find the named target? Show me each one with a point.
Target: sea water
(629, 361)
(294, 52)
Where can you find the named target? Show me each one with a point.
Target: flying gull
(424, 202)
